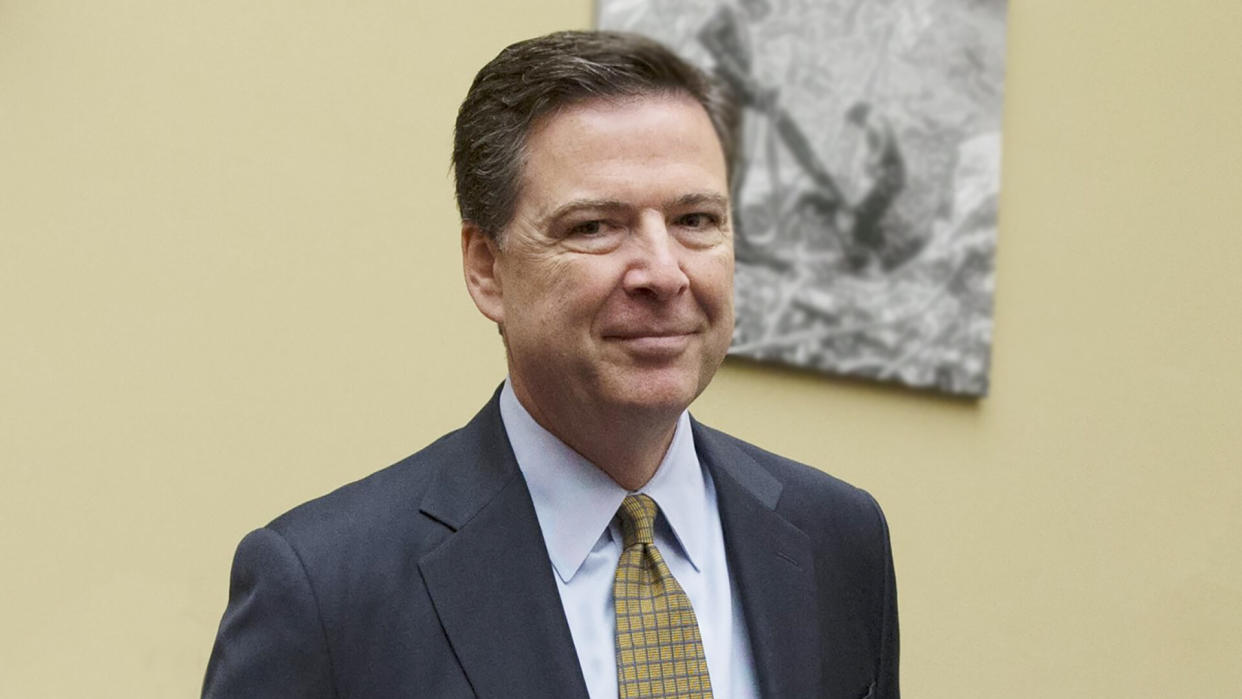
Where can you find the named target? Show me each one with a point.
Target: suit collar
(772, 564)
(489, 580)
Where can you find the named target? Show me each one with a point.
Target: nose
(655, 270)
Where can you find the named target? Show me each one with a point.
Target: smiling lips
(652, 343)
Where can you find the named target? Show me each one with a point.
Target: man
(581, 536)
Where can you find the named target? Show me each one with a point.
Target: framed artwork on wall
(865, 194)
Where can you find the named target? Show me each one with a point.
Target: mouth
(652, 343)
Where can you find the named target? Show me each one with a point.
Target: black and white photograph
(865, 191)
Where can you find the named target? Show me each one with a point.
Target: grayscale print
(865, 197)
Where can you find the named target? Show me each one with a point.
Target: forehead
(662, 140)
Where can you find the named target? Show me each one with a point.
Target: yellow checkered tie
(659, 650)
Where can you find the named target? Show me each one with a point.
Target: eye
(697, 220)
(587, 228)
(592, 235)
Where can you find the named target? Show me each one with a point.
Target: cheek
(568, 292)
(532, 281)
(714, 287)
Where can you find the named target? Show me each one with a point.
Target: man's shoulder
(808, 497)
(373, 507)
(395, 482)
(787, 471)
(474, 453)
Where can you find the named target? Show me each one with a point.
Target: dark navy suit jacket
(430, 579)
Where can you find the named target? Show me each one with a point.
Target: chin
(659, 395)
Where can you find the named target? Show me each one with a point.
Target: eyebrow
(578, 204)
(612, 205)
(708, 199)
(699, 199)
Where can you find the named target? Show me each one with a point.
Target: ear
(480, 261)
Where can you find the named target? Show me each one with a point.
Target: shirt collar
(575, 502)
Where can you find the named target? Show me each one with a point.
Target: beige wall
(229, 282)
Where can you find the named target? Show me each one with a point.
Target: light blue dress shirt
(576, 504)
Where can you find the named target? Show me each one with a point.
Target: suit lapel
(772, 565)
(491, 580)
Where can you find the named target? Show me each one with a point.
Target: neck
(629, 456)
(627, 445)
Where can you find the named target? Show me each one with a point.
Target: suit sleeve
(271, 641)
(887, 682)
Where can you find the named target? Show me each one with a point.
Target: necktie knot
(637, 513)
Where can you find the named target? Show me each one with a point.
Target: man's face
(615, 277)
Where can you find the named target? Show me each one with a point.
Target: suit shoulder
(371, 505)
(808, 496)
(788, 471)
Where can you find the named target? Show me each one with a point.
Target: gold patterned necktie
(659, 649)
